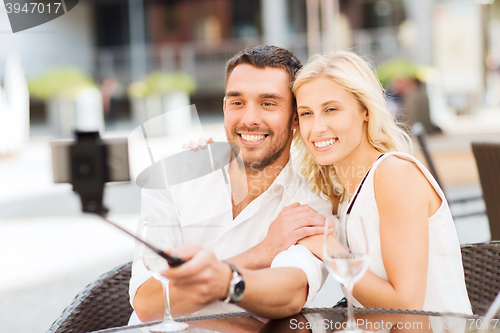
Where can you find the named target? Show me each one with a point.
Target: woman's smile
(321, 145)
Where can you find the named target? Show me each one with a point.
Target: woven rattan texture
(482, 274)
(487, 157)
(102, 304)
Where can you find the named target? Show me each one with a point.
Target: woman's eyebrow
(331, 102)
(322, 105)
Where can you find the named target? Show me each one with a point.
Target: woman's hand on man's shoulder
(193, 145)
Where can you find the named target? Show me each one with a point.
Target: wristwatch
(236, 286)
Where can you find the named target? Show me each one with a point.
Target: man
(277, 210)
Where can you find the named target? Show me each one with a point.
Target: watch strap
(236, 274)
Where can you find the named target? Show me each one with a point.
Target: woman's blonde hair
(354, 74)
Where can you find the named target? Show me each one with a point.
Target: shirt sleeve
(157, 204)
(300, 257)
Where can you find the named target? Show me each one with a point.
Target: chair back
(418, 131)
(482, 274)
(102, 304)
(487, 157)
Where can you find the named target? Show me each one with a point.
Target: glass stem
(351, 323)
(167, 316)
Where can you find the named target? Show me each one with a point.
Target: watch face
(238, 291)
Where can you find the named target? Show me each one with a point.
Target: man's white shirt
(200, 213)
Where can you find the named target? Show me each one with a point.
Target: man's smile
(252, 139)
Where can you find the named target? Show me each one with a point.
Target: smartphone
(117, 160)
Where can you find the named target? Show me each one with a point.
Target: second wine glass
(346, 256)
(157, 233)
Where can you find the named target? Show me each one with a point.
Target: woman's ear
(365, 110)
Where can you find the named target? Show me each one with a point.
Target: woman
(347, 133)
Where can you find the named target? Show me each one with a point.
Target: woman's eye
(304, 114)
(331, 109)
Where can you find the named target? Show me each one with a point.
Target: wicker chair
(488, 165)
(418, 131)
(482, 274)
(102, 304)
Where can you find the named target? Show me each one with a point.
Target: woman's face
(332, 122)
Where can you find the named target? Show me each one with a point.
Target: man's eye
(237, 103)
(268, 104)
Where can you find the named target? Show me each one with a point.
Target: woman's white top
(446, 290)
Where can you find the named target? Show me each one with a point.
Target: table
(328, 319)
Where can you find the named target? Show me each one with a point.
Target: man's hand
(315, 243)
(292, 224)
(202, 279)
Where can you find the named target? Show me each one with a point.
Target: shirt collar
(283, 179)
(285, 176)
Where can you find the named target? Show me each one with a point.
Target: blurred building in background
(456, 43)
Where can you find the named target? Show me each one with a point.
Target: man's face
(258, 114)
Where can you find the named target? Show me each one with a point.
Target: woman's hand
(202, 143)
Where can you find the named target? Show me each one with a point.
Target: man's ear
(224, 104)
(295, 120)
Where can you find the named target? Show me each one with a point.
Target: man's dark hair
(266, 56)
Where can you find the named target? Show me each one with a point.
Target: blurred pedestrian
(413, 102)
(109, 89)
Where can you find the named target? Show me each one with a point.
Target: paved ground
(49, 251)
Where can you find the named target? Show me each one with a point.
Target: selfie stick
(89, 173)
(173, 261)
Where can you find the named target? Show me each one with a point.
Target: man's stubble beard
(270, 154)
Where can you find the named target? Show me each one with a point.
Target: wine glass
(159, 233)
(346, 256)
